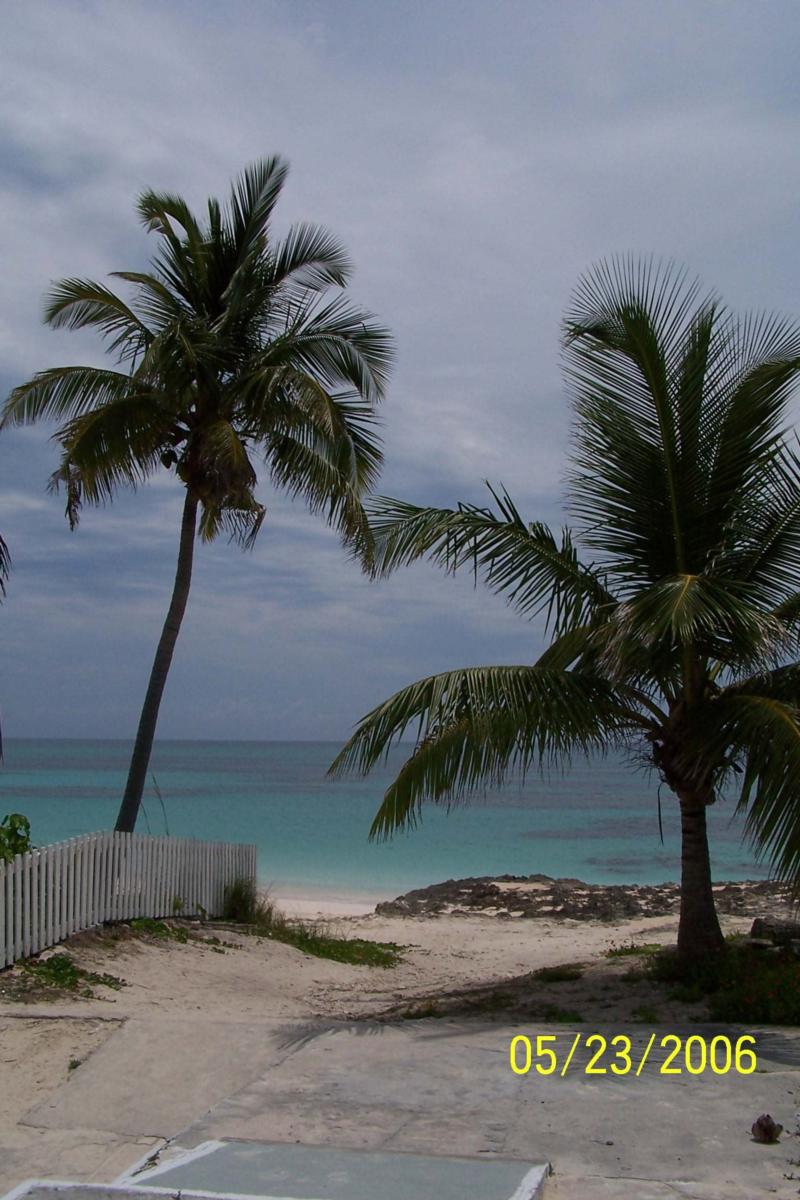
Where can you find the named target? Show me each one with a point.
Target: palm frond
(337, 344)
(310, 258)
(625, 321)
(82, 303)
(718, 620)
(240, 516)
(309, 466)
(5, 566)
(252, 200)
(523, 562)
(64, 393)
(118, 444)
(474, 726)
(781, 683)
(762, 733)
(158, 303)
(762, 544)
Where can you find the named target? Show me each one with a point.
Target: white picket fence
(50, 893)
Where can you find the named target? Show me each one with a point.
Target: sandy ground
(199, 1017)
(447, 961)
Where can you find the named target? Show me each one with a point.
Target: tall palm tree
(228, 349)
(672, 633)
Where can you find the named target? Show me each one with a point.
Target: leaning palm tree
(674, 603)
(228, 349)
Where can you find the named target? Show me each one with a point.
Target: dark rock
(765, 1130)
(782, 933)
(572, 899)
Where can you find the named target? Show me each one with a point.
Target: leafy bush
(746, 985)
(758, 988)
(15, 836)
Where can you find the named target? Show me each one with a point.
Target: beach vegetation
(747, 985)
(176, 931)
(421, 1012)
(58, 974)
(235, 347)
(559, 1016)
(564, 973)
(15, 836)
(645, 1014)
(162, 930)
(632, 949)
(259, 915)
(672, 603)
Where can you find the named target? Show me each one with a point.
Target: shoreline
(320, 902)
(515, 896)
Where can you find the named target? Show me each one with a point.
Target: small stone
(765, 1130)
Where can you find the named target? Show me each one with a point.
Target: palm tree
(5, 566)
(228, 348)
(672, 631)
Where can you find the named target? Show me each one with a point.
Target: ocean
(598, 821)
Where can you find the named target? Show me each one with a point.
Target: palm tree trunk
(140, 759)
(699, 934)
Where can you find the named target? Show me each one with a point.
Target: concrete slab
(446, 1087)
(294, 1172)
(155, 1076)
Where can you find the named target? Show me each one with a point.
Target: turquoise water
(597, 822)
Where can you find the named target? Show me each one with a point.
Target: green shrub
(758, 988)
(15, 836)
(743, 984)
(241, 901)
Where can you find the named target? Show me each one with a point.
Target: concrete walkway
(440, 1087)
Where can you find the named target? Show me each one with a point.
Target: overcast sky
(474, 159)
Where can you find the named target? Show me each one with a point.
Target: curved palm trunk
(137, 773)
(699, 934)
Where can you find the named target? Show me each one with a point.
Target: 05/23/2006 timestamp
(668, 1054)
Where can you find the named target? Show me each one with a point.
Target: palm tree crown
(674, 603)
(228, 350)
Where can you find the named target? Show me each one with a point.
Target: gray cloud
(475, 161)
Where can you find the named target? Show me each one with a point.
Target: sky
(475, 159)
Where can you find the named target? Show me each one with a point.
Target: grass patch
(632, 949)
(648, 1016)
(560, 1016)
(564, 973)
(159, 929)
(420, 1012)
(169, 931)
(743, 984)
(259, 915)
(59, 974)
